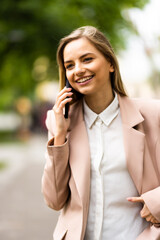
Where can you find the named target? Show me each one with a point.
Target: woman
(102, 163)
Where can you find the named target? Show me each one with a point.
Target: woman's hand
(145, 213)
(62, 124)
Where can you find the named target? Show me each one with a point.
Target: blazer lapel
(134, 140)
(79, 153)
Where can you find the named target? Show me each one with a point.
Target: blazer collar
(76, 114)
(130, 113)
(134, 139)
(79, 152)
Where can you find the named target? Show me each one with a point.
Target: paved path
(23, 213)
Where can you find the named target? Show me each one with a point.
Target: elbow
(53, 205)
(55, 197)
(56, 202)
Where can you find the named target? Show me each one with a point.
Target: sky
(134, 64)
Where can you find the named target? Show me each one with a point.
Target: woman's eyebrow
(84, 55)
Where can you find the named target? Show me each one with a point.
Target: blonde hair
(102, 44)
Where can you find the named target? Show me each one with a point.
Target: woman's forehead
(79, 47)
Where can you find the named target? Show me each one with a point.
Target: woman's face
(87, 69)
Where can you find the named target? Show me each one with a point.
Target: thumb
(135, 199)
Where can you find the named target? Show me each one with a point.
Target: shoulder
(149, 108)
(146, 104)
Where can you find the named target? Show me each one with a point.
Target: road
(23, 213)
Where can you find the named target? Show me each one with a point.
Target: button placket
(99, 181)
(99, 123)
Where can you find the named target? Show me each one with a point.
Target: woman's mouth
(84, 80)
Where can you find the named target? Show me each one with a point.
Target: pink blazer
(66, 177)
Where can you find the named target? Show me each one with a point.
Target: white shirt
(110, 215)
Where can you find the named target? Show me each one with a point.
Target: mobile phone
(67, 104)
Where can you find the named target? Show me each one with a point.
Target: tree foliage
(31, 29)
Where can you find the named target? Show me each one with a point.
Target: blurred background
(29, 35)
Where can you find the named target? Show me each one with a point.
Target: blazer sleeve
(56, 171)
(152, 198)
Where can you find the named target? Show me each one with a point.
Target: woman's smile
(84, 80)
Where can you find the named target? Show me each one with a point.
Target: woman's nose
(79, 70)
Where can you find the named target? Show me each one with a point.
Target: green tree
(31, 29)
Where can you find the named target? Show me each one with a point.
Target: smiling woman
(83, 63)
(100, 44)
(99, 160)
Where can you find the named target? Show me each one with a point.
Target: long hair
(102, 44)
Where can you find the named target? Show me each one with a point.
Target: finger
(153, 219)
(145, 214)
(63, 97)
(64, 90)
(149, 219)
(62, 104)
(135, 199)
(64, 94)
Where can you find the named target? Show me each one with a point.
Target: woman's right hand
(62, 124)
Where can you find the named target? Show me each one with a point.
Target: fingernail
(129, 199)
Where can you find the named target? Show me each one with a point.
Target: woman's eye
(88, 59)
(69, 66)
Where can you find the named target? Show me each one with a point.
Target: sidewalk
(23, 213)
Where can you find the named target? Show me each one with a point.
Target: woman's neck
(99, 102)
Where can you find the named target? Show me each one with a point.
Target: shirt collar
(106, 116)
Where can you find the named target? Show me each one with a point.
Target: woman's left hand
(145, 213)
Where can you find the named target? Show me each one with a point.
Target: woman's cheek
(69, 76)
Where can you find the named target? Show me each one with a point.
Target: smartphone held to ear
(67, 104)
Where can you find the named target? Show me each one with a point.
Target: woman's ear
(111, 69)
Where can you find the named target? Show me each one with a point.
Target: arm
(56, 175)
(152, 198)
(56, 172)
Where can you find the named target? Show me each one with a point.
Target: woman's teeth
(84, 79)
